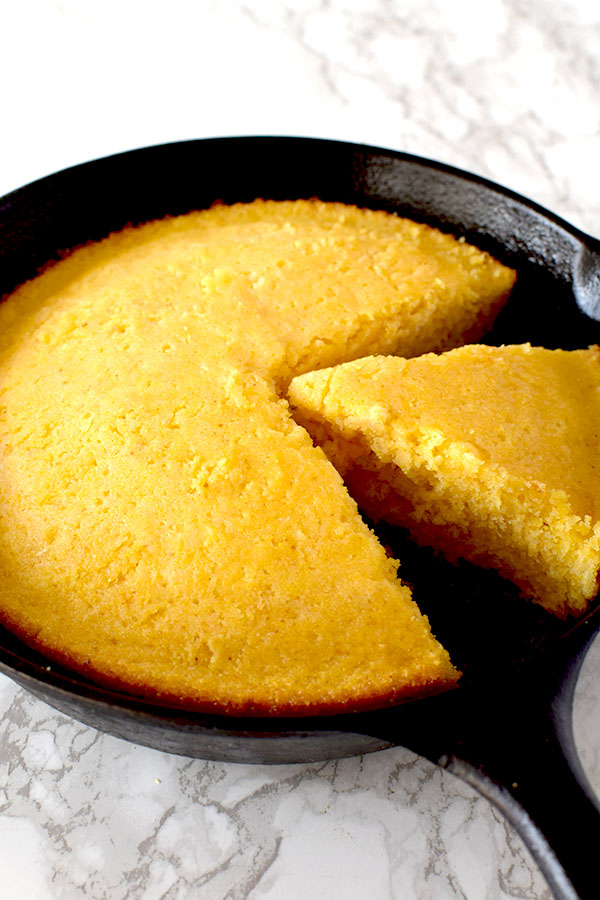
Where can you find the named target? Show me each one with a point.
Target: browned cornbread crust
(486, 453)
(164, 523)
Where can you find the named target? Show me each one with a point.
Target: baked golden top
(490, 453)
(164, 522)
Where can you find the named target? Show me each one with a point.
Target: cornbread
(165, 525)
(487, 453)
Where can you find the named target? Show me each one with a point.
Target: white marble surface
(505, 88)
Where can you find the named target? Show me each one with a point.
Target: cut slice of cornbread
(164, 523)
(487, 453)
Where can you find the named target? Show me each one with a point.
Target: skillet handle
(521, 755)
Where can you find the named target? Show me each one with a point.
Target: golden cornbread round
(164, 523)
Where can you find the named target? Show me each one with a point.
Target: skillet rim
(370, 149)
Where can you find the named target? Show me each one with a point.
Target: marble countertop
(503, 88)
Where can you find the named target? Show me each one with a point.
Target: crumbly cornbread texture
(488, 453)
(164, 522)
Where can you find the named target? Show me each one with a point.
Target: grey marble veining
(504, 88)
(88, 815)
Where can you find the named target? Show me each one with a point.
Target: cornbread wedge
(165, 525)
(487, 453)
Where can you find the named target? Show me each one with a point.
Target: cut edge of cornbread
(417, 478)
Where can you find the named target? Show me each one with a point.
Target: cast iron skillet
(507, 729)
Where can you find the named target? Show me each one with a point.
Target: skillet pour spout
(507, 729)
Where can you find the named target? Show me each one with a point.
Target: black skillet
(507, 729)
